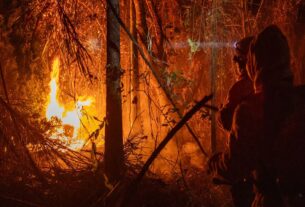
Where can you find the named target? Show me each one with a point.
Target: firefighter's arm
(233, 164)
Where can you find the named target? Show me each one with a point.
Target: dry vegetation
(183, 40)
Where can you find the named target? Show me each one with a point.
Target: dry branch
(73, 43)
(33, 152)
(34, 166)
(171, 134)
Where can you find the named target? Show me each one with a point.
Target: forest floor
(36, 171)
(88, 188)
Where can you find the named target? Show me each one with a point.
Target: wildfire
(68, 131)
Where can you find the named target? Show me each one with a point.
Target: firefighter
(241, 192)
(256, 150)
(241, 88)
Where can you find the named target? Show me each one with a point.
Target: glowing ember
(70, 119)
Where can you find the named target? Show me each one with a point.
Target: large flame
(68, 133)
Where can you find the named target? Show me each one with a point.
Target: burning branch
(28, 150)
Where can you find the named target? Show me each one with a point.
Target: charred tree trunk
(114, 155)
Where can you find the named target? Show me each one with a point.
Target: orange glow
(68, 132)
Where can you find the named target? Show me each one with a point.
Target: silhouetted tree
(114, 156)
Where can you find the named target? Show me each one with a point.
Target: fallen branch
(171, 134)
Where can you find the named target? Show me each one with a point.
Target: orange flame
(70, 119)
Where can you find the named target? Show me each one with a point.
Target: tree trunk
(134, 66)
(114, 155)
(141, 25)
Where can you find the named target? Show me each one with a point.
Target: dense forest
(113, 103)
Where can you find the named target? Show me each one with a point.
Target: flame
(53, 108)
(68, 133)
